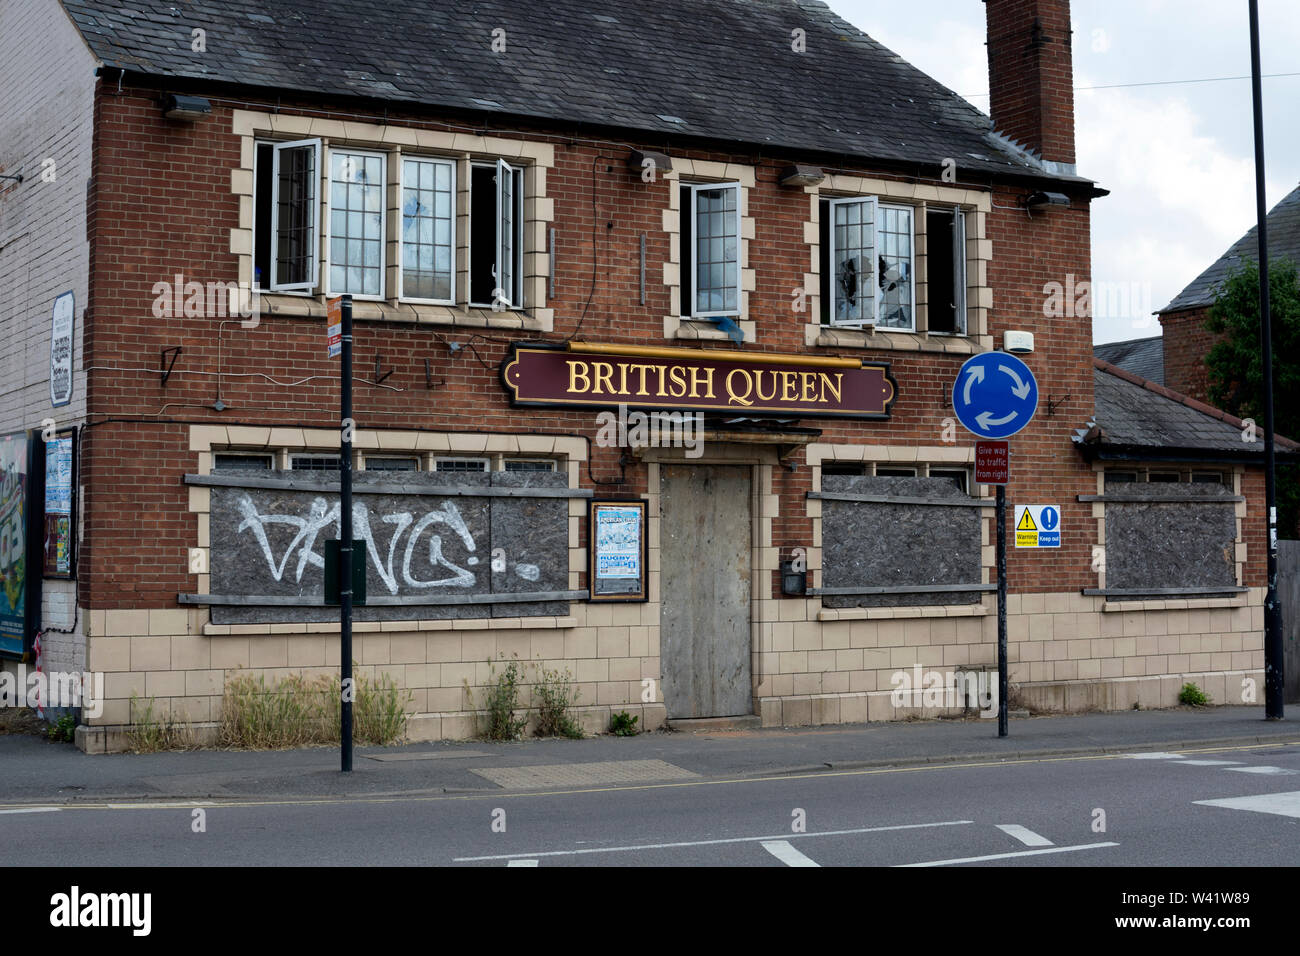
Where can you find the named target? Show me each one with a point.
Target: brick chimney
(1031, 75)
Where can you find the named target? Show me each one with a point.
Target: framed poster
(60, 521)
(616, 545)
(15, 486)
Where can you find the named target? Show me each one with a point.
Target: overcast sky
(1178, 159)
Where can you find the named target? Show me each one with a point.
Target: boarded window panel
(907, 545)
(1172, 544)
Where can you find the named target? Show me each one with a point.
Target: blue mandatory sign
(1050, 519)
(995, 395)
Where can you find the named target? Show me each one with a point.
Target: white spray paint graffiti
(321, 516)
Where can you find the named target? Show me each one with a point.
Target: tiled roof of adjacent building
(1135, 417)
(1283, 243)
(713, 69)
(1142, 357)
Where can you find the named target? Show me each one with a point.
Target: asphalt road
(1032, 812)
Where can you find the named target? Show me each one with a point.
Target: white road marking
(522, 863)
(1006, 856)
(1025, 836)
(1272, 771)
(783, 851)
(1156, 755)
(1282, 804)
(34, 810)
(1209, 763)
(686, 843)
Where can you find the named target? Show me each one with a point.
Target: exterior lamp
(188, 109)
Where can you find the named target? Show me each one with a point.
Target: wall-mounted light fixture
(1041, 200)
(639, 160)
(1019, 342)
(800, 175)
(188, 109)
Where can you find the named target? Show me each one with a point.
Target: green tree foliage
(1236, 364)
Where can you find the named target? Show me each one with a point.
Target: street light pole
(1272, 611)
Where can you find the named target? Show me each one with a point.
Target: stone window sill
(536, 320)
(884, 339)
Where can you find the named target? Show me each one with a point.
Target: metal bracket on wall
(379, 378)
(165, 365)
(429, 383)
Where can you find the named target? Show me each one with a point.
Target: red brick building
(550, 217)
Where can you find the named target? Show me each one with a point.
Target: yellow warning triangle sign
(1026, 522)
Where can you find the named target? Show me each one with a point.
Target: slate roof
(1144, 357)
(1283, 243)
(1137, 418)
(715, 69)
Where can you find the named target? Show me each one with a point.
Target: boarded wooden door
(704, 539)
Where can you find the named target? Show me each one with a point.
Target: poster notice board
(60, 513)
(617, 548)
(14, 506)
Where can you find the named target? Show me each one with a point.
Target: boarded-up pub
(656, 337)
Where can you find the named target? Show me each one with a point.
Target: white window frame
(874, 203)
(959, 278)
(401, 214)
(502, 170)
(485, 462)
(911, 218)
(549, 462)
(695, 233)
(509, 240)
(314, 203)
(383, 223)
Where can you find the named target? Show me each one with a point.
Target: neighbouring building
(658, 310)
(1186, 339)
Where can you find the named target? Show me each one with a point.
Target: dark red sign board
(752, 384)
(992, 462)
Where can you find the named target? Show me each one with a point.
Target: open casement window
(295, 214)
(946, 267)
(852, 261)
(507, 290)
(496, 237)
(711, 228)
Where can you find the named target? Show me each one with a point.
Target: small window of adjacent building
(866, 264)
(1121, 477)
(945, 249)
(314, 463)
(286, 213)
(356, 239)
(234, 462)
(886, 471)
(392, 464)
(428, 230)
(1208, 478)
(460, 464)
(1163, 476)
(496, 235)
(710, 244)
(528, 464)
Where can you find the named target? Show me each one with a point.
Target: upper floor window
(867, 266)
(421, 211)
(710, 229)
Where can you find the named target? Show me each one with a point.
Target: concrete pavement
(38, 771)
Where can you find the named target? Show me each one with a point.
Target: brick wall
(1031, 80)
(1186, 343)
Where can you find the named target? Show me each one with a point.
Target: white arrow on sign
(973, 374)
(987, 421)
(1021, 390)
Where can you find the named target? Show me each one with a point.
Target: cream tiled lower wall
(1066, 652)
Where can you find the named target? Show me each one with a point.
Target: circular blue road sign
(995, 395)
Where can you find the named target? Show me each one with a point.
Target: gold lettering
(837, 387)
(787, 387)
(695, 382)
(660, 369)
(677, 375)
(731, 388)
(622, 378)
(578, 370)
(758, 386)
(642, 370)
(603, 371)
(809, 393)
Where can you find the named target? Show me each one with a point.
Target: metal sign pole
(1273, 657)
(345, 535)
(1002, 610)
